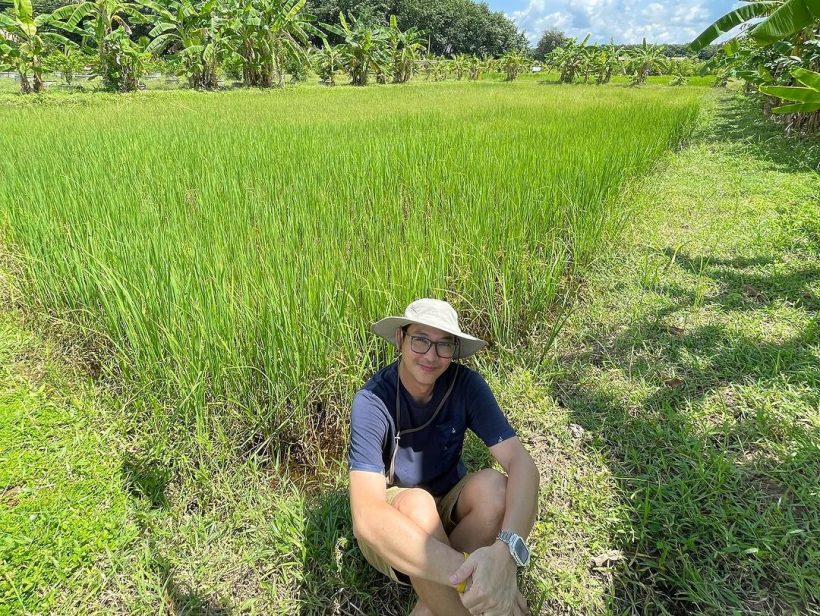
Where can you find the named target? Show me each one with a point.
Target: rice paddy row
(224, 254)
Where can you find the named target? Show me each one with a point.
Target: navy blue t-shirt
(429, 458)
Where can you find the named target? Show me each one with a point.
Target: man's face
(424, 368)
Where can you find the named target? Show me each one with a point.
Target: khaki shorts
(445, 504)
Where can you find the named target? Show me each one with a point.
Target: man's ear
(399, 337)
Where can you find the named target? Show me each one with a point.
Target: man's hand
(494, 589)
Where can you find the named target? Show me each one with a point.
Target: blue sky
(625, 21)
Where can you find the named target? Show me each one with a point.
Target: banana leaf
(798, 108)
(792, 93)
(789, 19)
(807, 77)
(730, 20)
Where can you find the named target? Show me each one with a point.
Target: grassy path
(677, 435)
(63, 509)
(694, 367)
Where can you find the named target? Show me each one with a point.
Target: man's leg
(419, 506)
(479, 510)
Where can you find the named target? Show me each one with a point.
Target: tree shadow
(720, 475)
(741, 121)
(744, 288)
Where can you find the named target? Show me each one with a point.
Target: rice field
(223, 254)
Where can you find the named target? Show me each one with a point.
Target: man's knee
(420, 506)
(490, 496)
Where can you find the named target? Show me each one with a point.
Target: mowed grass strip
(228, 251)
(694, 366)
(63, 508)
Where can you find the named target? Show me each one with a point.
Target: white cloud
(624, 21)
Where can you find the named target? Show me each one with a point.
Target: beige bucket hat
(434, 313)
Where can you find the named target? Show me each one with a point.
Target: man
(419, 518)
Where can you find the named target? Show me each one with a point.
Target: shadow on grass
(741, 122)
(337, 579)
(145, 479)
(719, 463)
(181, 600)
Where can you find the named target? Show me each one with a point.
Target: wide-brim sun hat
(433, 313)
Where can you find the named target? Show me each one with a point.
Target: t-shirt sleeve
(484, 416)
(368, 433)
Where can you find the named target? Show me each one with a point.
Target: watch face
(521, 551)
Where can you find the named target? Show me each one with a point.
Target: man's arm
(396, 537)
(492, 568)
(523, 482)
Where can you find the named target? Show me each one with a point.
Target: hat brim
(467, 345)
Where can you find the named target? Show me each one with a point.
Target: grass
(62, 507)
(675, 422)
(694, 368)
(224, 254)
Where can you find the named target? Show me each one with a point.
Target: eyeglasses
(444, 348)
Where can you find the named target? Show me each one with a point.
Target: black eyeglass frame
(452, 343)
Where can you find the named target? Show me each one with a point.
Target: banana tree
(461, 66)
(405, 48)
(512, 63)
(644, 60)
(783, 19)
(604, 62)
(24, 44)
(189, 31)
(67, 61)
(328, 61)
(363, 48)
(105, 25)
(568, 59)
(268, 35)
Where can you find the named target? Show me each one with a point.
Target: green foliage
(268, 35)
(24, 44)
(190, 32)
(644, 60)
(104, 27)
(364, 48)
(328, 61)
(67, 61)
(512, 63)
(549, 40)
(404, 49)
(767, 55)
(807, 98)
(450, 27)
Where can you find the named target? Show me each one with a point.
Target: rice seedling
(230, 250)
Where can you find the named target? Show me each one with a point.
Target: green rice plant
(228, 252)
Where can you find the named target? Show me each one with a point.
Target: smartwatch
(518, 549)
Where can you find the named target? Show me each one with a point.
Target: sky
(624, 21)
